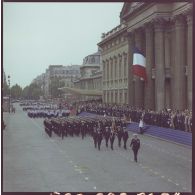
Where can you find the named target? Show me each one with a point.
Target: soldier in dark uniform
(99, 138)
(95, 136)
(83, 129)
(112, 138)
(63, 130)
(107, 135)
(135, 145)
(75, 128)
(125, 137)
(48, 127)
(119, 135)
(69, 128)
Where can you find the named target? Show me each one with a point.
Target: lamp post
(9, 92)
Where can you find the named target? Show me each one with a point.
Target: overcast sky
(36, 35)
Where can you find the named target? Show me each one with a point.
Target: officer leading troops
(135, 146)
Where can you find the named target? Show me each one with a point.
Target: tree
(5, 89)
(54, 85)
(25, 92)
(16, 91)
(33, 91)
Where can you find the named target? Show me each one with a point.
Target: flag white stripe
(139, 59)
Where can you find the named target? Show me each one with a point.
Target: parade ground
(34, 162)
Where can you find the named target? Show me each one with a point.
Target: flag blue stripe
(136, 50)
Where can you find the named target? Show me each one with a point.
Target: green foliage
(5, 89)
(54, 85)
(33, 91)
(25, 92)
(16, 91)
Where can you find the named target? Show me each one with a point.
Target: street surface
(33, 162)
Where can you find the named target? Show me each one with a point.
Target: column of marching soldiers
(99, 127)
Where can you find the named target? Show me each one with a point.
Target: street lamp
(9, 92)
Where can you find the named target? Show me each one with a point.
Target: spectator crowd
(175, 119)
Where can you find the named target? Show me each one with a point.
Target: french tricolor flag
(139, 64)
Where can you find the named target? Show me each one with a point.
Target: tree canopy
(16, 91)
(33, 91)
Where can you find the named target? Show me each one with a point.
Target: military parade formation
(44, 110)
(99, 127)
(107, 125)
(105, 132)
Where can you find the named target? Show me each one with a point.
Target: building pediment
(128, 8)
(125, 9)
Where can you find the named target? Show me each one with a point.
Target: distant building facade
(66, 75)
(91, 75)
(163, 32)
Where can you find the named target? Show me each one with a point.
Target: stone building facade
(91, 76)
(65, 74)
(163, 32)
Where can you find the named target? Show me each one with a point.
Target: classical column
(119, 101)
(128, 59)
(167, 66)
(110, 96)
(114, 98)
(189, 60)
(180, 62)
(111, 68)
(139, 84)
(121, 67)
(159, 64)
(149, 87)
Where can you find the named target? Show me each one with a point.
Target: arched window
(93, 59)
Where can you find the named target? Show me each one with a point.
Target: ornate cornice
(159, 23)
(180, 20)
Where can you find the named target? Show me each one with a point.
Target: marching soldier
(48, 127)
(119, 135)
(107, 135)
(82, 129)
(95, 136)
(63, 131)
(135, 145)
(112, 138)
(125, 137)
(99, 138)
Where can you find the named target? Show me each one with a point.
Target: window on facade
(120, 59)
(125, 65)
(103, 70)
(93, 60)
(107, 71)
(115, 68)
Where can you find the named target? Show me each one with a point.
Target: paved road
(33, 162)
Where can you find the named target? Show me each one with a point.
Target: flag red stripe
(139, 71)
